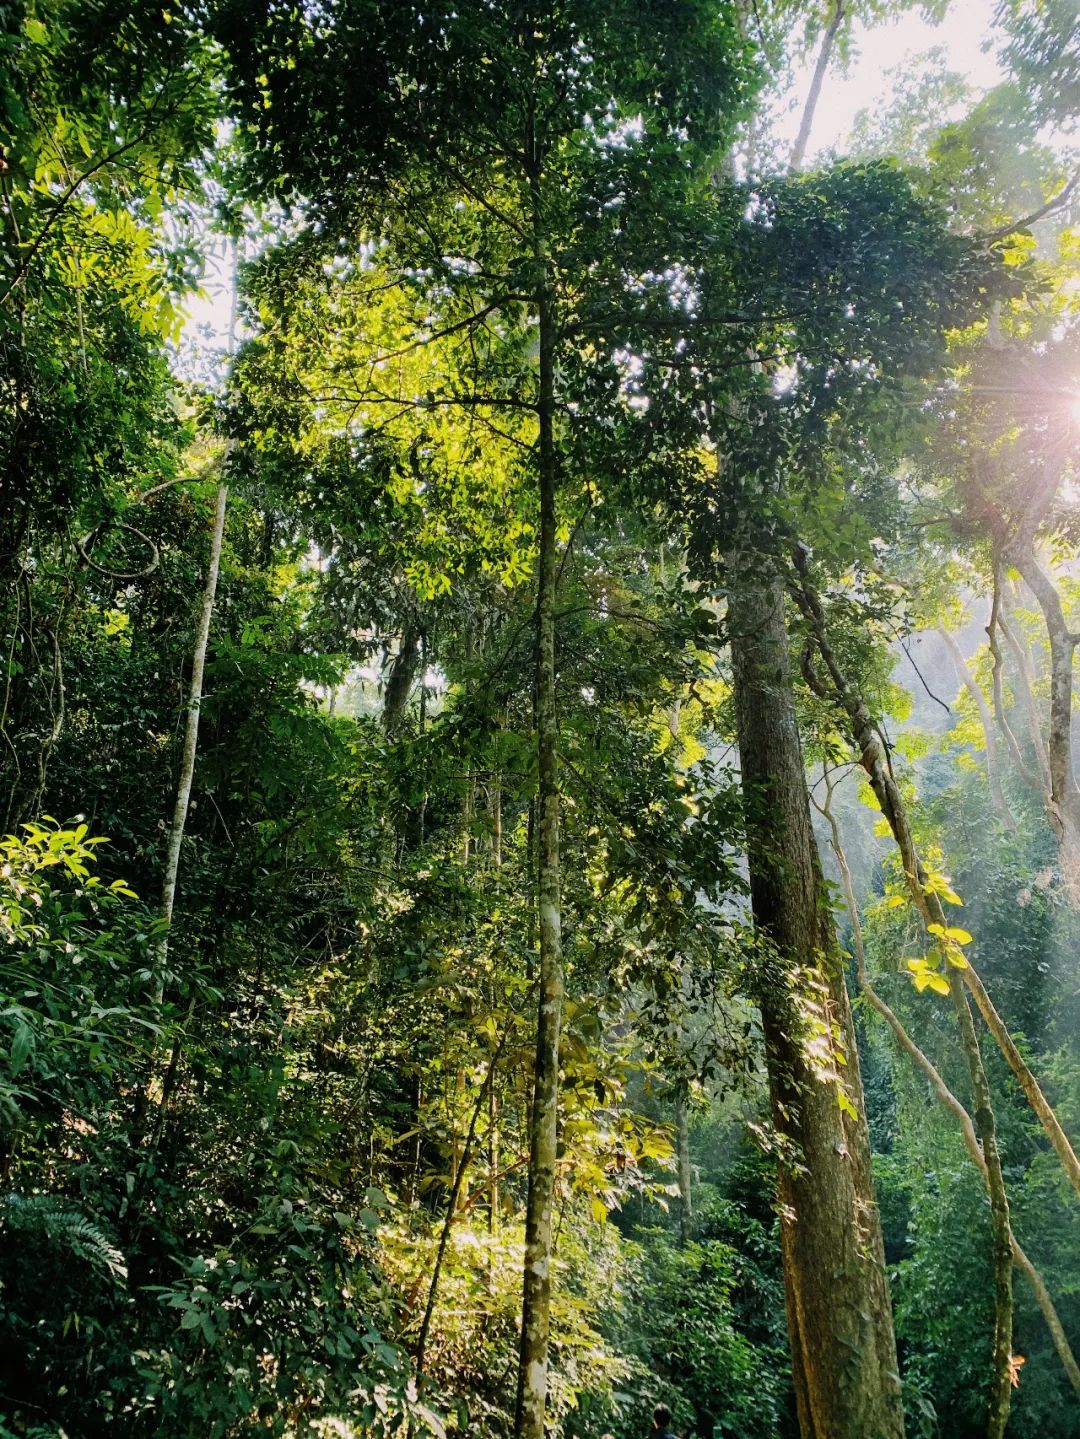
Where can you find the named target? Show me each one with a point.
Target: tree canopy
(540, 863)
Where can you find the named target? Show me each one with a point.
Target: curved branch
(89, 540)
(1062, 197)
(866, 737)
(929, 906)
(62, 201)
(922, 1061)
(451, 1208)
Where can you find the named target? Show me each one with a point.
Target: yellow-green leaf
(951, 933)
(928, 979)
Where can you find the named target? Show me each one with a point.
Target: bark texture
(839, 1319)
(536, 1305)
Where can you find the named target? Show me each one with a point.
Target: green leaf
(22, 1046)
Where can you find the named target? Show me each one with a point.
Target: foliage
(237, 1187)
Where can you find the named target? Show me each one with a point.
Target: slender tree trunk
(1064, 796)
(452, 1207)
(1025, 673)
(493, 1162)
(494, 798)
(495, 801)
(195, 689)
(457, 1165)
(468, 805)
(843, 1349)
(828, 40)
(401, 678)
(686, 1176)
(536, 1305)
(944, 1094)
(191, 740)
(990, 752)
(1016, 544)
(1030, 778)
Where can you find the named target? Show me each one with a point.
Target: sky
(963, 34)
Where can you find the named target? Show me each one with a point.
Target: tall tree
(540, 124)
(834, 1263)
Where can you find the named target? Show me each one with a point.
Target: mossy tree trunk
(536, 1305)
(839, 1315)
(843, 1349)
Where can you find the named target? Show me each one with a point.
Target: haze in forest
(539, 589)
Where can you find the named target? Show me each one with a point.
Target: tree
(532, 162)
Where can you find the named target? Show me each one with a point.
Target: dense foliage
(542, 357)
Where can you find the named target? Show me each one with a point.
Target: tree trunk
(843, 1350)
(686, 1176)
(1034, 781)
(828, 40)
(453, 1204)
(536, 1299)
(944, 1094)
(402, 675)
(993, 772)
(872, 757)
(1025, 673)
(1063, 801)
(191, 741)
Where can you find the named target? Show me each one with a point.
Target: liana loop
(89, 540)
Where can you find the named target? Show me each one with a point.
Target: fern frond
(46, 1218)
